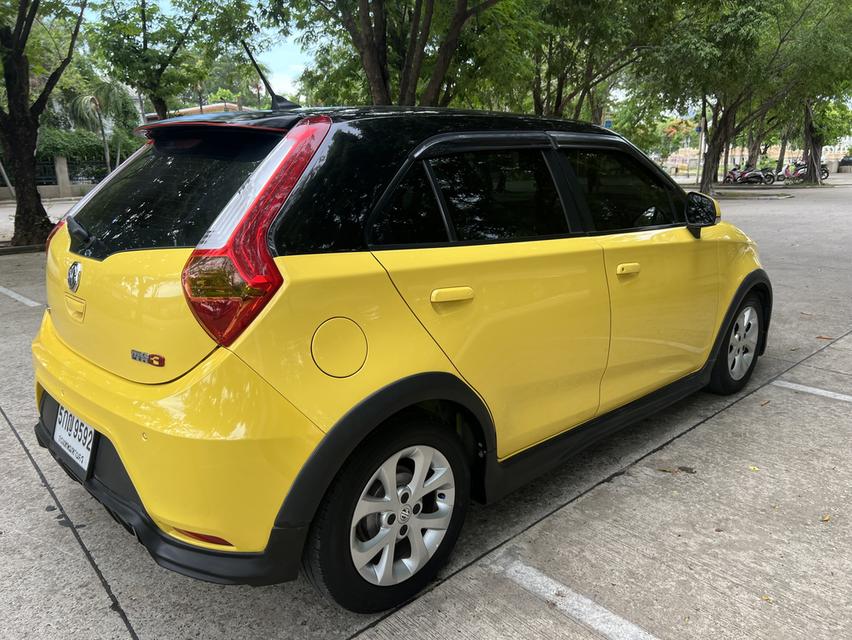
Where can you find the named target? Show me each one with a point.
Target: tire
(728, 180)
(336, 538)
(823, 174)
(768, 178)
(738, 353)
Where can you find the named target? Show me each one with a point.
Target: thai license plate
(74, 438)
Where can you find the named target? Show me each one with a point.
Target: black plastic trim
(316, 475)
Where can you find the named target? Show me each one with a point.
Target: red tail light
(228, 284)
(52, 233)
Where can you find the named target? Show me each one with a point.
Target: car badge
(74, 276)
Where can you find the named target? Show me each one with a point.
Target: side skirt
(502, 478)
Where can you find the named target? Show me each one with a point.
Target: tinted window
(499, 195)
(621, 192)
(170, 194)
(412, 215)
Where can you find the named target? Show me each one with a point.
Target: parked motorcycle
(749, 175)
(768, 176)
(796, 172)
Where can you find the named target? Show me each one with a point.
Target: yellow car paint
(528, 302)
(324, 286)
(214, 439)
(131, 301)
(213, 452)
(663, 309)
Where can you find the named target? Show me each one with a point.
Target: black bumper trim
(279, 562)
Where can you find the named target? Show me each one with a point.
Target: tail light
(231, 275)
(52, 233)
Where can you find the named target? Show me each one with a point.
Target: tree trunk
(104, 139)
(445, 55)
(780, 164)
(813, 146)
(18, 136)
(717, 140)
(31, 222)
(753, 148)
(159, 106)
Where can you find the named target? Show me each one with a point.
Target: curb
(7, 250)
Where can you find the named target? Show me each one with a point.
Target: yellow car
(307, 338)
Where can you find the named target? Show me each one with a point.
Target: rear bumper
(214, 452)
(110, 485)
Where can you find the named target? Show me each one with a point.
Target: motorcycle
(768, 175)
(749, 175)
(796, 172)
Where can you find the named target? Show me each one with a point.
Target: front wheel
(823, 174)
(391, 518)
(737, 354)
(768, 178)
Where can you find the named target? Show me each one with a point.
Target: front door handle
(451, 294)
(627, 267)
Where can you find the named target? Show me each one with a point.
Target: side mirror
(701, 211)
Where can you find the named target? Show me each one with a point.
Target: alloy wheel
(742, 344)
(402, 515)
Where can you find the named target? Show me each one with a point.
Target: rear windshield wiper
(77, 231)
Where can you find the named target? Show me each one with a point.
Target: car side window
(620, 192)
(412, 215)
(499, 195)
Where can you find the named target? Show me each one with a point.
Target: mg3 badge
(153, 359)
(74, 276)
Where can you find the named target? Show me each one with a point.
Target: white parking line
(575, 605)
(812, 390)
(19, 297)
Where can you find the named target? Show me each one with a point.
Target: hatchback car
(308, 338)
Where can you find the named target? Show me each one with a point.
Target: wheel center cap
(404, 514)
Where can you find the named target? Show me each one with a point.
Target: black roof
(437, 119)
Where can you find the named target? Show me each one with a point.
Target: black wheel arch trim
(316, 475)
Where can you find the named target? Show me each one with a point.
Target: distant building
(216, 107)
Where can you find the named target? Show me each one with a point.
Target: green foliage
(162, 48)
(77, 144)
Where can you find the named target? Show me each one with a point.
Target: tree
(392, 39)
(90, 110)
(155, 51)
(579, 47)
(19, 119)
(737, 62)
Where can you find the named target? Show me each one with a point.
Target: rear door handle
(627, 267)
(451, 294)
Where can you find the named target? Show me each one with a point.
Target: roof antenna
(277, 101)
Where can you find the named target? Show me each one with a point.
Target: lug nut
(391, 518)
(403, 498)
(403, 530)
(415, 509)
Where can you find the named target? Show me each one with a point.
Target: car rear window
(169, 195)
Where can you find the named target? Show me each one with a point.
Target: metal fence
(86, 171)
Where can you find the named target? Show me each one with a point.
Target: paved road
(717, 518)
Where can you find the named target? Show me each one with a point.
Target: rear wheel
(391, 518)
(737, 354)
(768, 178)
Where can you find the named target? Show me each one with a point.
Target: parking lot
(721, 517)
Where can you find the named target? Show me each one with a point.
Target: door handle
(627, 267)
(451, 294)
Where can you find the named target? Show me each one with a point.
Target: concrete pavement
(717, 518)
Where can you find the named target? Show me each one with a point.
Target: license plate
(74, 438)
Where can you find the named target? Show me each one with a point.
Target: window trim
(463, 142)
(563, 140)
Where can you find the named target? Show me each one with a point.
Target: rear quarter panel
(321, 287)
